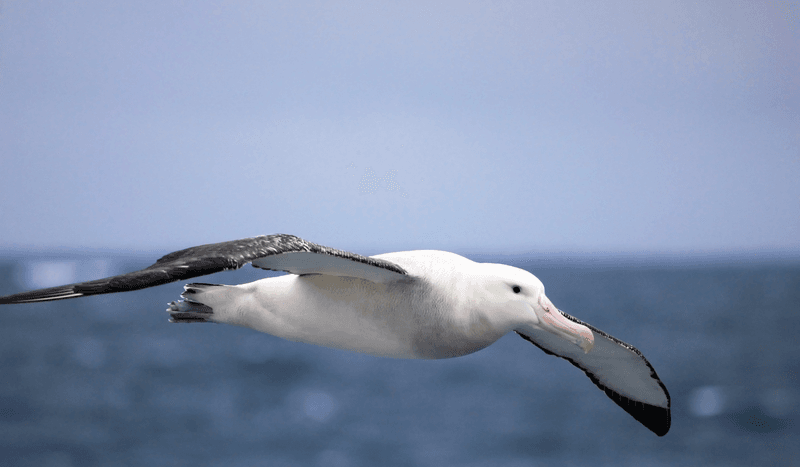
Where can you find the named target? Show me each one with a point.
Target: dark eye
(516, 289)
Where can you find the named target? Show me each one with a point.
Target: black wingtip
(656, 419)
(41, 295)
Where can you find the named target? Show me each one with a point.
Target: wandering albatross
(408, 304)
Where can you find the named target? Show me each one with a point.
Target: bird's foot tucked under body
(188, 310)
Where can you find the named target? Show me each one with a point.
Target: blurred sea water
(106, 380)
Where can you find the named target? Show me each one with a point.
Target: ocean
(107, 381)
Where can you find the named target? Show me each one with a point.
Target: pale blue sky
(378, 126)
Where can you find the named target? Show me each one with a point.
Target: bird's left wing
(277, 252)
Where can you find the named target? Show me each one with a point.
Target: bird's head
(516, 301)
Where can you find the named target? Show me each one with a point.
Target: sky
(494, 127)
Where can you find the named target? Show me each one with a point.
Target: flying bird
(410, 304)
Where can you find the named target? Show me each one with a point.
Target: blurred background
(641, 159)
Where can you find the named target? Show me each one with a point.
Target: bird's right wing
(617, 368)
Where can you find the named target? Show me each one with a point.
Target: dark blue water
(108, 381)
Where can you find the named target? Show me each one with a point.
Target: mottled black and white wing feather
(276, 252)
(619, 369)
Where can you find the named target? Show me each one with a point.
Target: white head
(514, 299)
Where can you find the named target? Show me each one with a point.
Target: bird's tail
(196, 306)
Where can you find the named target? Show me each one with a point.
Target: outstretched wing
(619, 369)
(276, 252)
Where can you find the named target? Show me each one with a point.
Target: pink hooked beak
(559, 325)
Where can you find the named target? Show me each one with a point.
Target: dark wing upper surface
(619, 369)
(279, 252)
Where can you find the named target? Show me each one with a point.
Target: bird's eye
(516, 289)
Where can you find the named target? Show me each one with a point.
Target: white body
(436, 317)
